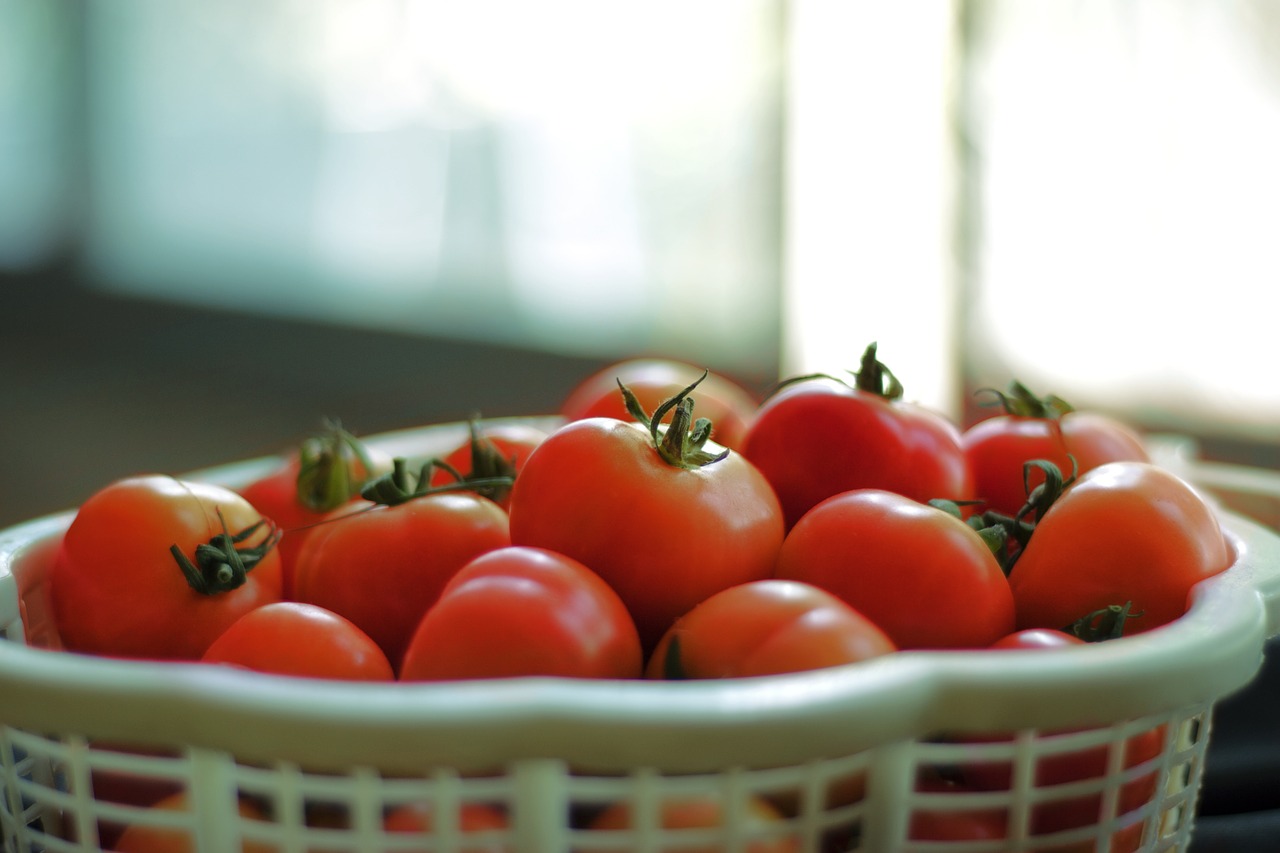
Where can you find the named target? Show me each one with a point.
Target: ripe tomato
(1030, 428)
(292, 638)
(419, 818)
(662, 519)
(524, 611)
(327, 471)
(1037, 638)
(953, 822)
(702, 812)
(383, 566)
(1123, 532)
(493, 451)
(819, 436)
(140, 838)
(653, 380)
(157, 567)
(766, 627)
(921, 574)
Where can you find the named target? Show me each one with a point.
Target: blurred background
(223, 222)
(220, 223)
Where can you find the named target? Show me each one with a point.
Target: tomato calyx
(492, 474)
(220, 565)
(399, 485)
(683, 441)
(324, 480)
(1020, 401)
(872, 377)
(1105, 624)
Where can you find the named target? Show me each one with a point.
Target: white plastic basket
(840, 752)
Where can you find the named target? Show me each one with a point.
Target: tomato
(524, 611)
(382, 566)
(292, 638)
(1123, 532)
(419, 818)
(702, 812)
(766, 627)
(141, 838)
(727, 404)
(953, 822)
(492, 451)
(158, 567)
(1037, 638)
(1030, 428)
(819, 436)
(327, 471)
(921, 574)
(665, 519)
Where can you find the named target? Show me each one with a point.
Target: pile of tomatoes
(673, 526)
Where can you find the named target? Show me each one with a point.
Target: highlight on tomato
(1048, 428)
(303, 640)
(766, 627)
(818, 436)
(383, 562)
(678, 816)
(664, 515)
(728, 405)
(325, 472)
(522, 611)
(1124, 533)
(490, 459)
(924, 576)
(158, 567)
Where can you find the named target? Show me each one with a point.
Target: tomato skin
(292, 638)
(117, 590)
(512, 442)
(524, 611)
(768, 627)
(999, 447)
(654, 380)
(695, 812)
(922, 575)
(382, 567)
(663, 537)
(472, 817)
(1037, 639)
(1123, 532)
(820, 437)
(137, 838)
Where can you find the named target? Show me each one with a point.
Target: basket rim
(1210, 652)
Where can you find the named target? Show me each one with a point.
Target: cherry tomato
(703, 812)
(158, 567)
(921, 574)
(524, 611)
(819, 436)
(419, 819)
(1030, 427)
(665, 519)
(492, 451)
(140, 838)
(1125, 532)
(727, 404)
(952, 822)
(763, 628)
(1037, 638)
(327, 471)
(292, 638)
(383, 566)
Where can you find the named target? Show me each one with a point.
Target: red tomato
(728, 405)
(766, 627)
(419, 818)
(292, 638)
(952, 822)
(140, 838)
(326, 472)
(493, 451)
(1123, 532)
(924, 576)
(702, 812)
(157, 567)
(1037, 638)
(665, 523)
(819, 436)
(999, 447)
(382, 567)
(524, 611)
